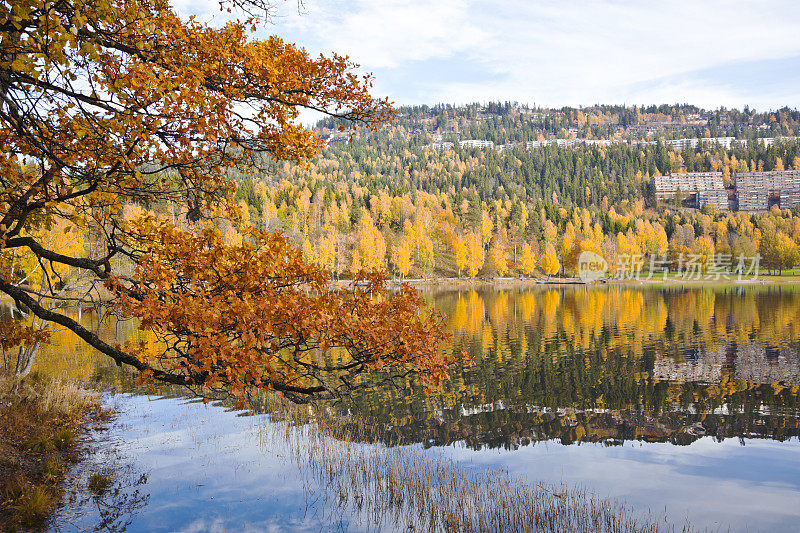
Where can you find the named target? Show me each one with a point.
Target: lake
(681, 402)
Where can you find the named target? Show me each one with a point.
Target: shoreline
(43, 425)
(514, 283)
(524, 282)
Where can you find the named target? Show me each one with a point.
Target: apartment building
(725, 142)
(769, 141)
(752, 199)
(775, 180)
(598, 142)
(442, 145)
(790, 198)
(688, 182)
(680, 144)
(712, 198)
(535, 144)
(755, 188)
(562, 143)
(506, 147)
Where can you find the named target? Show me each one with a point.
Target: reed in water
(413, 489)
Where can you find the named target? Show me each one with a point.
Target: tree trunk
(25, 358)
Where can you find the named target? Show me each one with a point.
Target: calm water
(681, 402)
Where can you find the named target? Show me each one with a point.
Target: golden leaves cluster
(122, 100)
(115, 104)
(254, 315)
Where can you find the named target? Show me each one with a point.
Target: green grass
(50, 468)
(64, 439)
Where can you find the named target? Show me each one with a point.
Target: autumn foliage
(256, 316)
(113, 106)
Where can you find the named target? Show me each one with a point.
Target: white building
(693, 143)
(442, 145)
(688, 182)
(475, 143)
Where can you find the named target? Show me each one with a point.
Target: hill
(445, 188)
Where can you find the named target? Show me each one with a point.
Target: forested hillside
(410, 198)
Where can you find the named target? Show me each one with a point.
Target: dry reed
(39, 422)
(409, 488)
(65, 397)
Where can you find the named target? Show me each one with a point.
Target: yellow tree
(308, 251)
(528, 259)
(425, 252)
(705, 249)
(569, 247)
(459, 253)
(550, 231)
(402, 256)
(661, 240)
(499, 257)
(486, 226)
(42, 279)
(549, 261)
(123, 101)
(787, 252)
(356, 264)
(62, 237)
(370, 245)
(326, 251)
(627, 245)
(474, 254)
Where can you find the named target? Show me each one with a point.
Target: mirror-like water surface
(683, 402)
(610, 365)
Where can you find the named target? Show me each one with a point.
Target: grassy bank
(40, 424)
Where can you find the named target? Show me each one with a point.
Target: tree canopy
(122, 124)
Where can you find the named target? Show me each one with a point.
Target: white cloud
(386, 34)
(553, 53)
(587, 52)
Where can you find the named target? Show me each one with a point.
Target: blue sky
(709, 53)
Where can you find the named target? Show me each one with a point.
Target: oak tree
(107, 104)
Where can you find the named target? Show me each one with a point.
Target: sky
(557, 53)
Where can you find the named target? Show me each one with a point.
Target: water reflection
(607, 365)
(599, 364)
(180, 465)
(627, 377)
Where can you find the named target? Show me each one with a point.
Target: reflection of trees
(108, 506)
(629, 363)
(117, 505)
(502, 425)
(666, 365)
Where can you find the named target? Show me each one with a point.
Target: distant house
(475, 143)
